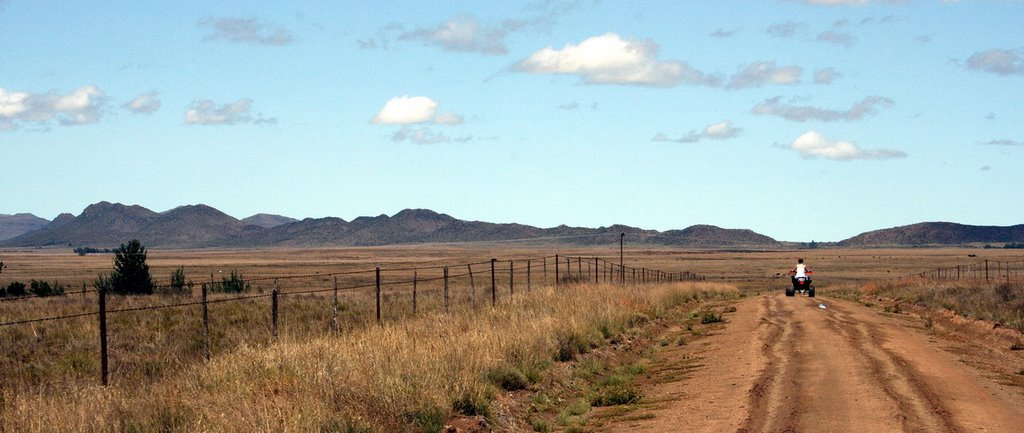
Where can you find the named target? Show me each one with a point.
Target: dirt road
(787, 365)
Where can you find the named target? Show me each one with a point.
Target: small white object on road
(822, 306)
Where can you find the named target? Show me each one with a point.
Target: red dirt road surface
(786, 365)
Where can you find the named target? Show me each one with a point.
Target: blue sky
(802, 120)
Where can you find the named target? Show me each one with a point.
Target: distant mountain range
(199, 226)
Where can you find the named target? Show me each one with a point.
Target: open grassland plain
(588, 354)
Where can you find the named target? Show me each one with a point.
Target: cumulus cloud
(814, 145)
(465, 33)
(610, 59)
(758, 74)
(207, 112)
(723, 130)
(1005, 142)
(246, 31)
(406, 109)
(826, 76)
(425, 135)
(1000, 62)
(83, 105)
(145, 103)
(803, 113)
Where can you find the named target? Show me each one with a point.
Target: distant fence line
(485, 276)
(987, 270)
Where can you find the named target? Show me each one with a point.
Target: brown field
(48, 368)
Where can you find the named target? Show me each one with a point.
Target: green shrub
(233, 284)
(131, 273)
(16, 288)
(43, 288)
(179, 284)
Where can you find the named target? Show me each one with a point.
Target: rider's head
(799, 260)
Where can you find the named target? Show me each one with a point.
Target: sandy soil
(787, 365)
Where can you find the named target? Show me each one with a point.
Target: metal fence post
(472, 285)
(415, 278)
(511, 278)
(446, 290)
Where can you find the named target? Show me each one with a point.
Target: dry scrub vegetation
(407, 375)
(998, 302)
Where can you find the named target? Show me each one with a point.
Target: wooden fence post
(334, 320)
(545, 270)
(206, 325)
(103, 335)
(378, 296)
(273, 307)
(494, 289)
(415, 277)
(446, 290)
(529, 265)
(472, 285)
(511, 278)
(556, 270)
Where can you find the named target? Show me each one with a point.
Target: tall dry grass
(408, 375)
(999, 302)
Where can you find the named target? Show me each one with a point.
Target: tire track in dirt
(773, 397)
(783, 364)
(920, 409)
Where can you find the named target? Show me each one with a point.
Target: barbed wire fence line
(984, 270)
(391, 290)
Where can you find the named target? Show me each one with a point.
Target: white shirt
(801, 270)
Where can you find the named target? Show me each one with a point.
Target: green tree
(131, 273)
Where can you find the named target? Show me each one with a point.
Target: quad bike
(802, 285)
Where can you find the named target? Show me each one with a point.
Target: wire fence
(327, 300)
(986, 270)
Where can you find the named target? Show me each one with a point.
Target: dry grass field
(411, 374)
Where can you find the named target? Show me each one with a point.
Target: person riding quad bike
(801, 277)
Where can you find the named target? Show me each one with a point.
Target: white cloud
(425, 135)
(847, 2)
(723, 130)
(610, 59)
(803, 113)
(724, 33)
(1001, 62)
(465, 33)
(246, 31)
(145, 103)
(207, 112)
(758, 74)
(82, 106)
(826, 76)
(814, 145)
(1004, 142)
(402, 110)
(834, 37)
(449, 118)
(785, 29)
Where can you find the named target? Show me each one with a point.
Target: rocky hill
(937, 233)
(198, 226)
(267, 220)
(18, 224)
